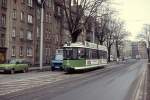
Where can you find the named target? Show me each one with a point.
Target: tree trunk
(101, 42)
(117, 50)
(148, 54)
(109, 50)
(75, 35)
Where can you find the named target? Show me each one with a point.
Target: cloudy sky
(135, 13)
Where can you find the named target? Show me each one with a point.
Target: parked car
(57, 62)
(14, 65)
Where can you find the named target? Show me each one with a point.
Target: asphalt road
(118, 82)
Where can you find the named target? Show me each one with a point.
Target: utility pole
(148, 32)
(42, 33)
(93, 33)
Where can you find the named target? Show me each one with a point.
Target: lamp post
(41, 39)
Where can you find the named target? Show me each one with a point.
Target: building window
(15, 1)
(22, 1)
(13, 51)
(22, 16)
(48, 3)
(29, 35)
(14, 14)
(30, 3)
(3, 20)
(14, 32)
(58, 11)
(4, 3)
(50, 18)
(21, 34)
(47, 18)
(38, 14)
(29, 51)
(21, 51)
(30, 19)
(38, 32)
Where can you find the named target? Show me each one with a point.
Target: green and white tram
(81, 56)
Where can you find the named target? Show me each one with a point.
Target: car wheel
(25, 70)
(61, 69)
(52, 68)
(12, 71)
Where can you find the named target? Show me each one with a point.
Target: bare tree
(77, 14)
(103, 20)
(110, 36)
(102, 30)
(119, 36)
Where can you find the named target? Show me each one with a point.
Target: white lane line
(138, 90)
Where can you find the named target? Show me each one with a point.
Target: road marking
(138, 95)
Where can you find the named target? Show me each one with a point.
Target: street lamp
(41, 39)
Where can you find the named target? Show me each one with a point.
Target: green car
(14, 65)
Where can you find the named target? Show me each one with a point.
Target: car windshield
(12, 62)
(58, 57)
(15, 61)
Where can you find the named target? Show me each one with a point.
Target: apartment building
(142, 50)
(139, 50)
(20, 29)
(3, 11)
(20, 26)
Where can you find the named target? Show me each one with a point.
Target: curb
(140, 92)
(38, 69)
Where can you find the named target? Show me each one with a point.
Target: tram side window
(81, 53)
(87, 53)
(100, 54)
(104, 54)
(74, 53)
(94, 54)
(67, 53)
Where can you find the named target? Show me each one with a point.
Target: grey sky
(135, 13)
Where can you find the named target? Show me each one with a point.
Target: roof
(87, 45)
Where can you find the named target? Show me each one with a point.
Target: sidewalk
(148, 83)
(144, 88)
(45, 68)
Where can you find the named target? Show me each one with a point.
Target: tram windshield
(74, 53)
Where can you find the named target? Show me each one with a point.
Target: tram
(84, 55)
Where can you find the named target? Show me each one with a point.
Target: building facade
(20, 26)
(139, 50)
(142, 50)
(3, 15)
(20, 30)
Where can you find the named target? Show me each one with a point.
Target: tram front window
(74, 53)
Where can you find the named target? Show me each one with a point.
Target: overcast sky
(135, 13)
